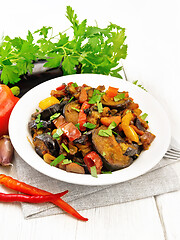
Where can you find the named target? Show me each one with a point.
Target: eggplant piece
(120, 105)
(56, 108)
(44, 143)
(82, 140)
(110, 151)
(147, 138)
(70, 114)
(45, 125)
(139, 125)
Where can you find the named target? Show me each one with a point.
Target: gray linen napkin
(161, 179)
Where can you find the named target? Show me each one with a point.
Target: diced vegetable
(47, 102)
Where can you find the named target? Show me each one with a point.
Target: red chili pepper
(28, 189)
(61, 87)
(112, 92)
(93, 159)
(7, 103)
(30, 199)
(82, 115)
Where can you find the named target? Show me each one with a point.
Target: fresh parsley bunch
(91, 50)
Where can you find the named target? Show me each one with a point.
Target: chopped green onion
(119, 97)
(104, 154)
(94, 171)
(89, 125)
(74, 84)
(70, 99)
(38, 118)
(115, 132)
(85, 132)
(49, 133)
(105, 133)
(61, 100)
(77, 125)
(144, 116)
(100, 107)
(66, 161)
(76, 109)
(56, 115)
(106, 172)
(112, 125)
(57, 160)
(65, 147)
(39, 125)
(58, 133)
(78, 163)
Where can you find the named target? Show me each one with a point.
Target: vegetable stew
(89, 130)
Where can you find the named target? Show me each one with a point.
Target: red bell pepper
(61, 87)
(93, 159)
(82, 115)
(7, 103)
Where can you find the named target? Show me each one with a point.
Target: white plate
(158, 122)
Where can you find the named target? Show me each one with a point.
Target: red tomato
(71, 131)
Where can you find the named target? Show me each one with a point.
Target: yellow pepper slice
(128, 130)
(47, 102)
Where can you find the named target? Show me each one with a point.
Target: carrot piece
(108, 120)
(28, 189)
(112, 92)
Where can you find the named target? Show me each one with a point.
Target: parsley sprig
(94, 49)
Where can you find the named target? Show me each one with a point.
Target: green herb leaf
(66, 161)
(105, 133)
(74, 85)
(119, 97)
(104, 154)
(94, 171)
(39, 125)
(96, 97)
(90, 49)
(100, 107)
(112, 125)
(89, 125)
(56, 115)
(38, 118)
(144, 116)
(78, 126)
(58, 133)
(65, 147)
(57, 160)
